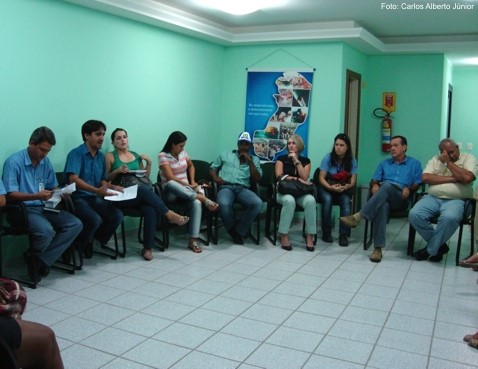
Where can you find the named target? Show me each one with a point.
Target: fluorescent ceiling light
(240, 7)
(470, 61)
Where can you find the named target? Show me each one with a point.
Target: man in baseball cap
(234, 171)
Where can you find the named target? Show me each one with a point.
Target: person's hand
(336, 187)
(305, 182)
(4, 295)
(405, 193)
(105, 191)
(219, 181)
(117, 188)
(244, 155)
(122, 170)
(444, 157)
(45, 195)
(375, 188)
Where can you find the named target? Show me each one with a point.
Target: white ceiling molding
(160, 15)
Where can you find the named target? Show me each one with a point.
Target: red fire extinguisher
(386, 127)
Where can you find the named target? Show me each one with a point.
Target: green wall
(63, 64)
(418, 83)
(464, 120)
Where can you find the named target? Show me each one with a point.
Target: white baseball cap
(245, 136)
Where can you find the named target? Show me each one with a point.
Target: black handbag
(128, 180)
(295, 188)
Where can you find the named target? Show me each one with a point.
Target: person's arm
(191, 173)
(255, 174)
(100, 191)
(112, 174)
(2, 200)
(279, 169)
(148, 162)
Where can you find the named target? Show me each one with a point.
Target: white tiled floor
(261, 307)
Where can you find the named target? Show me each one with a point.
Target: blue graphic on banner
(277, 106)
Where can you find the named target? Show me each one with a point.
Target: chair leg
(458, 245)
(411, 240)
(367, 241)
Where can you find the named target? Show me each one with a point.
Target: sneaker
(422, 254)
(376, 255)
(327, 237)
(343, 240)
(351, 221)
(441, 251)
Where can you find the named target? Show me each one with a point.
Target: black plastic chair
(274, 208)
(401, 213)
(7, 358)
(315, 180)
(179, 206)
(469, 212)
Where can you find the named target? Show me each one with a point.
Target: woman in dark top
(295, 167)
(338, 172)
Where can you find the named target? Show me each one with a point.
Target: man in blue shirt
(29, 177)
(237, 171)
(86, 167)
(393, 181)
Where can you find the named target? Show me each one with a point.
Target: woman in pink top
(177, 175)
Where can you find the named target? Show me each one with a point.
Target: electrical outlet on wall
(469, 146)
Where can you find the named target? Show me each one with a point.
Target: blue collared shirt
(19, 175)
(2, 188)
(403, 174)
(231, 169)
(91, 169)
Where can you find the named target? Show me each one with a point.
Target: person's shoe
(351, 221)
(236, 237)
(441, 251)
(327, 237)
(376, 256)
(343, 240)
(88, 250)
(43, 269)
(422, 254)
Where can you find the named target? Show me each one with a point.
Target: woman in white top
(175, 166)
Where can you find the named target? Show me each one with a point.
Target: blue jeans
(174, 191)
(376, 209)
(449, 213)
(288, 202)
(152, 207)
(327, 199)
(100, 218)
(51, 233)
(252, 203)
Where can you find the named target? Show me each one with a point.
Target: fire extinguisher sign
(389, 101)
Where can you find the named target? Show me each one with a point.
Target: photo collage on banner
(277, 106)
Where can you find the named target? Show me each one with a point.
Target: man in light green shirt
(234, 172)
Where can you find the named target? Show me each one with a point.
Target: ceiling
(372, 26)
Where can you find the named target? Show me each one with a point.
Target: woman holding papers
(122, 161)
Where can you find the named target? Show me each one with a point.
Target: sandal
(194, 247)
(211, 205)
(147, 254)
(473, 343)
(310, 248)
(469, 337)
(180, 220)
(286, 248)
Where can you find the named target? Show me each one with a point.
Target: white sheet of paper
(56, 198)
(128, 194)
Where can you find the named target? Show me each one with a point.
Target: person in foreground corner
(449, 176)
(337, 176)
(235, 171)
(393, 181)
(293, 167)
